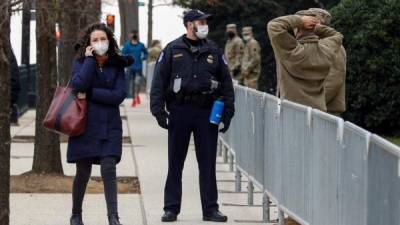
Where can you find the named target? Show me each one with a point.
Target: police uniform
(182, 91)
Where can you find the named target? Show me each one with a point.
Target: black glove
(162, 119)
(227, 123)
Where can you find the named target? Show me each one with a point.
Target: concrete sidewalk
(150, 150)
(147, 159)
(55, 209)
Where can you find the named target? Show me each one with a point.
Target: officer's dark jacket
(178, 61)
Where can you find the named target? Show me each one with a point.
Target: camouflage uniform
(251, 63)
(234, 52)
(154, 51)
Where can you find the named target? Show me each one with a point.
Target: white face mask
(202, 31)
(101, 47)
(246, 37)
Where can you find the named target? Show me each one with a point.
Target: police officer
(190, 74)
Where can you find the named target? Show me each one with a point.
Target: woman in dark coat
(98, 76)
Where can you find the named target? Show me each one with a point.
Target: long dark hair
(84, 40)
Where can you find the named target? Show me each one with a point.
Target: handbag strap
(69, 81)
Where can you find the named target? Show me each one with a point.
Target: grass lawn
(395, 140)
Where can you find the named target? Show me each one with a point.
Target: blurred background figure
(135, 79)
(154, 50)
(251, 63)
(234, 52)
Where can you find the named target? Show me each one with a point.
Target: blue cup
(216, 112)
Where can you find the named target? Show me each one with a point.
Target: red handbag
(67, 113)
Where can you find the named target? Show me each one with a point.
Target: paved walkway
(147, 159)
(151, 157)
(55, 209)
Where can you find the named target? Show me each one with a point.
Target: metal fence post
(281, 217)
(238, 181)
(220, 148)
(225, 154)
(265, 204)
(250, 193)
(231, 161)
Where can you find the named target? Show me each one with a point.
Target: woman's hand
(81, 95)
(89, 51)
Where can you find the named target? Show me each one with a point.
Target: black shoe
(215, 216)
(169, 217)
(113, 220)
(76, 219)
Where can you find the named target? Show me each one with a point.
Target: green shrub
(371, 30)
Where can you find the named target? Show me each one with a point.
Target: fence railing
(317, 168)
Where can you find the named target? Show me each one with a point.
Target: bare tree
(150, 23)
(74, 16)
(47, 156)
(26, 28)
(5, 93)
(129, 13)
(151, 7)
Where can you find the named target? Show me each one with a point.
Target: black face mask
(231, 34)
(135, 37)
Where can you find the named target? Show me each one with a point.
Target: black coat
(105, 90)
(195, 69)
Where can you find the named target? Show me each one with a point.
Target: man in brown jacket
(234, 51)
(304, 61)
(335, 83)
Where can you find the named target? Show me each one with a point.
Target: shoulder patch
(160, 58)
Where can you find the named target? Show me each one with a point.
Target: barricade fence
(317, 168)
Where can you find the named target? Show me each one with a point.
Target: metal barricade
(318, 169)
(383, 182)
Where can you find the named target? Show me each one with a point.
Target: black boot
(169, 217)
(76, 219)
(113, 220)
(215, 216)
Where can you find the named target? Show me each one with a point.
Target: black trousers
(108, 173)
(184, 120)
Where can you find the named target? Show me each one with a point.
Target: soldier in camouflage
(251, 63)
(234, 52)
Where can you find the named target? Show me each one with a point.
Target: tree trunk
(75, 15)
(150, 23)
(129, 13)
(26, 32)
(92, 13)
(5, 93)
(47, 157)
